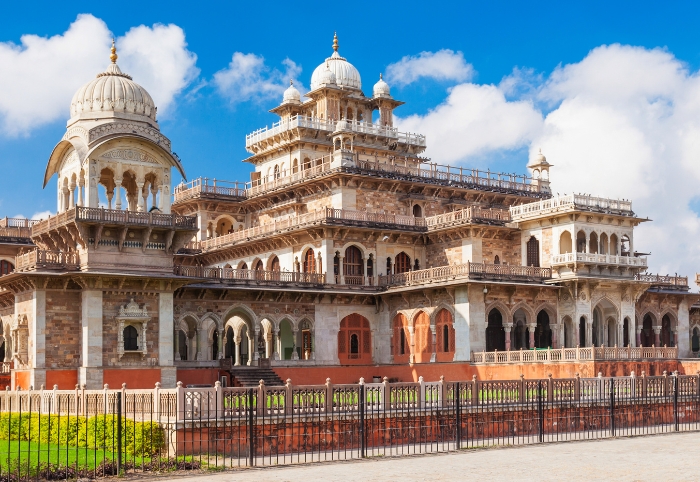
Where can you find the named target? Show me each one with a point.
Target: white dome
(381, 88)
(291, 94)
(346, 75)
(114, 91)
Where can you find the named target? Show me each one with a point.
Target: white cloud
(247, 77)
(441, 65)
(624, 122)
(473, 120)
(40, 75)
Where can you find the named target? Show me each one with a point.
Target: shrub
(98, 432)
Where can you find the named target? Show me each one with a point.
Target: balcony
(114, 217)
(251, 276)
(209, 188)
(600, 260)
(569, 203)
(470, 215)
(468, 271)
(674, 283)
(302, 122)
(43, 260)
(571, 355)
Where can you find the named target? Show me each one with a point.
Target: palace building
(347, 254)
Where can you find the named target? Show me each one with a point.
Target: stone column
(411, 344)
(507, 327)
(222, 344)
(81, 194)
(140, 207)
(556, 328)
(295, 355)
(268, 345)
(71, 193)
(531, 331)
(118, 201)
(91, 356)
(589, 332)
(341, 275)
(176, 341)
(201, 344)
(674, 337)
(433, 334)
(237, 348)
(657, 338)
(638, 338)
(166, 327)
(251, 349)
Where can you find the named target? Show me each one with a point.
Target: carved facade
(345, 248)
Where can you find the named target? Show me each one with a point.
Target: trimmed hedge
(98, 432)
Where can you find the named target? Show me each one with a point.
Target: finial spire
(291, 82)
(335, 41)
(380, 76)
(113, 56)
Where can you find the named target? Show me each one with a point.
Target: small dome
(291, 94)
(381, 88)
(346, 75)
(326, 77)
(540, 159)
(113, 90)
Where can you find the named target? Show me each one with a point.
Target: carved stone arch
(672, 315)
(308, 319)
(409, 313)
(442, 306)
(550, 309)
(655, 318)
(417, 312)
(501, 307)
(293, 322)
(214, 317)
(239, 309)
(364, 250)
(530, 315)
(268, 326)
(189, 314)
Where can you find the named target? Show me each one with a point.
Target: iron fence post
(612, 406)
(119, 433)
(458, 415)
(540, 414)
(675, 402)
(362, 402)
(251, 429)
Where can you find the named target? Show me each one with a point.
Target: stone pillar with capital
(237, 349)
(341, 275)
(589, 332)
(140, 207)
(411, 345)
(433, 334)
(531, 329)
(674, 337)
(222, 344)
(657, 337)
(295, 354)
(176, 341)
(251, 350)
(277, 344)
(508, 327)
(638, 337)
(118, 189)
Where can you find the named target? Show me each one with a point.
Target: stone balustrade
(601, 259)
(574, 354)
(570, 202)
(41, 259)
(468, 271)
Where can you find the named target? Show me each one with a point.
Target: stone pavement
(659, 457)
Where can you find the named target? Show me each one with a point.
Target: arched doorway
(305, 341)
(286, 340)
(519, 336)
(543, 332)
(400, 339)
(353, 270)
(695, 341)
(533, 252)
(215, 344)
(309, 261)
(582, 331)
(228, 347)
(495, 334)
(423, 338)
(646, 337)
(445, 338)
(666, 331)
(626, 332)
(402, 263)
(354, 340)
(565, 243)
(569, 333)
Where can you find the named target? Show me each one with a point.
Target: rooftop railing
(468, 271)
(468, 215)
(570, 202)
(574, 354)
(659, 280)
(40, 259)
(300, 121)
(609, 259)
(114, 216)
(247, 276)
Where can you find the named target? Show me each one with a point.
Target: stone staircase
(251, 376)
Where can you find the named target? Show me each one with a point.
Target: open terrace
(570, 203)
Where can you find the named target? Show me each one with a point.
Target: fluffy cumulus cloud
(441, 65)
(248, 77)
(624, 122)
(40, 74)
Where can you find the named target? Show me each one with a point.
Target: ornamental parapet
(568, 355)
(599, 259)
(569, 203)
(468, 271)
(676, 283)
(40, 260)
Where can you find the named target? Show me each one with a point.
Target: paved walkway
(654, 458)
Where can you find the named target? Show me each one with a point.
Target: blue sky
(607, 115)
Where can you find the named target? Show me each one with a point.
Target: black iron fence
(97, 433)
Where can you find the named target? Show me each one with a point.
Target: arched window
(647, 334)
(370, 266)
(603, 244)
(400, 339)
(580, 242)
(543, 333)
(593, 244)
(625, 246)
(277, 172)
(182, 344)
(695, 340)
(445, 334)
(215, 345)
(131, 338)
(495, 334)
(352, 265)
(354, 340)
(388, 266)
(243, 266)
(582, 332)
(613, 244)
(6, 267)
(275, 264)
(259, 266)
(496, 260)
(417, 211)
(423, 338)
(402, 264)
(666, 336)
(309, 261)
(626, 332)
(533, 252)
(295, 166)
(565, 243)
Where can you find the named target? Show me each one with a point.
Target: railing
(568, 202)
(250, 275)
(659, 280)
(574, 354)
(468, 215)
(469, 270)
(113, 216)
(43, 259)
(323, 215)
(185, 191)
(300, 121)
(6, 368)
(568, 258)
(16, 227)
